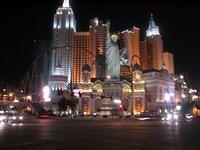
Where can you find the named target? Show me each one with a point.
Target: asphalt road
(100, 134)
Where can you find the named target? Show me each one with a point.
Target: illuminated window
(126, 88)
(98, 88)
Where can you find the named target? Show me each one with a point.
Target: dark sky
(28, 20)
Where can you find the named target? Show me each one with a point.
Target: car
(2, 118)
(189, 117)
(171, 117)
(13, 118)
(146, 116)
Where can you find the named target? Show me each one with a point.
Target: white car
(171, 117)
(13, 118)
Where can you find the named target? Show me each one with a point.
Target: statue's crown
(114, 37)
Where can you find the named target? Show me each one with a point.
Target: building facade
(160, 90)
(80, 55)
(79, 58)
(130, 41)
(98, 32)
(135, 56)
(146, 55)
(126, 44)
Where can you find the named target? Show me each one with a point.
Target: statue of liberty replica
(112, 55)
(112, 85)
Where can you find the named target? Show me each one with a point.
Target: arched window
(98, 88)
(126, 88)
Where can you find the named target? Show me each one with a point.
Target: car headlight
(20, 117)
(175, 116)
(14, 118)
(2, 118)
(169, 116)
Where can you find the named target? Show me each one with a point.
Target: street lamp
(178, 107)
(46, 93)
(11, 94)
(181, 76)
(108, 77)
(29, 98)
(167, 97)
(183, 95)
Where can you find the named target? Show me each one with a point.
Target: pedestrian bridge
(36, 107)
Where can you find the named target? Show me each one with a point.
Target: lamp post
(11, 95)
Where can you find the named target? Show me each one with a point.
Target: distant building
(126, 43)
(168, 61)
(135, 56)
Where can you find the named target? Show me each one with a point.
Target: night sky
(22, 22)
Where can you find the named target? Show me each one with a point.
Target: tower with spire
(152, 48)
(64, 27)
(153, 29)
(64, 17)
(66, 4)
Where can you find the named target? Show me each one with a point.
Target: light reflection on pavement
(100, 134)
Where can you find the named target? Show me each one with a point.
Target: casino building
(78, 64)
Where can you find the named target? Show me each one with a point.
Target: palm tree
(63, 103)
(73, 103)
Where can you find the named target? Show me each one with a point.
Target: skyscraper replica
(168, 61)
(80, 55)
(130, 40)
(64, 26)
(109, 74)
(152, 48)
(97, 31)
(160, 85)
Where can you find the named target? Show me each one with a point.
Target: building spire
(152, 23)
(153, 28)
(66, 3)
(151, 15)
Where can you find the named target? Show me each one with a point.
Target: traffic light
(120, 106)
(111, 97)
(61, 92)
(72, 93)
(58, 92)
